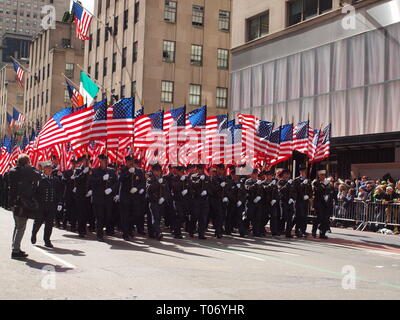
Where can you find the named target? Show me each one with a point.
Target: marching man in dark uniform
(323, 204)
(142, 206)
(304, 193)
(158, 193)
(271, 196)
(181, 200)
(68, 200)
(199, 211)
(103, 183)
(254, 207)
(287, 202)
(237, 205)
(131, 182)
(49, 196)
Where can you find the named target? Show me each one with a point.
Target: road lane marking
(52, 256)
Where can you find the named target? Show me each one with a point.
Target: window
(300, 10)
(224, 20)
(105, 61)
(115, 26)
(195, 94)
(20, 98)
(169, 51)
(134, 53)
(107, 3)
(167, 91)
(170, 11)
(114, 62)
(66, 96)
(258, 26)
(124, 57)
(223, 59)
(198, 16)
(44, 73)
(137, 7)
(48, 70)
(123, 92)
(66, 43)
(99, 7)
(96, 71)
(98, 38)
(222, 98)
(196, 57)
(106, 32)
(47, 95)
(90, 42)
(126, 17)
(69, 70)
(133, 88)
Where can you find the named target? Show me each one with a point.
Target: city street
(230, 268)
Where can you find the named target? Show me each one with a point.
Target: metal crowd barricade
(360, 214)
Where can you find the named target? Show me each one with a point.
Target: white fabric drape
(307, 109)
(294, 111)
(268, 113)
(246, 88)
(256, 89)
(322, 115)
(280, 113)
(280, 81)
(339, 68)
(357, 59)
(356, 111)
(235, 91)
(268, 70)
(394, 52)
(323, 63)
(294, 76)
(308, 73)
(339, 114)
(374, 121)
(376, 56)
(393, 114)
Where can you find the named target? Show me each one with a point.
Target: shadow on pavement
(40, 265)
(57, 250)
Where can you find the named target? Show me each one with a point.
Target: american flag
(249, 128)
(286, 144)
(274, 144)
(16, 151)
(323, 148)
(195, 135)
(78, 125)
(148, 129)
(316, 141)
(53, 131)
(19, 74)
(120, 119)
(234, 143)
(74, 95)
(18, 119)
(302, 136)
(173, 127)
(216, 136)
(264, 132)
(83, 20)
(5, 155)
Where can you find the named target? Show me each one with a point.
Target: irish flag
(88, 89)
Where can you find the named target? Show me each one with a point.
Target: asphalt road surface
(349, 265)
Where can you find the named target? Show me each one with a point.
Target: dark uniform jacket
(302, 189)
(177, 186)
(98, 185)
(127, 181)
(320, 191)
(270, 192)
(218, 192)
(49, 191)
(197, 185)
(238, 191)
(82, 181)
(254, 190)
(286, 190)
(156, 190)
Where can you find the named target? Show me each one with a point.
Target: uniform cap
(156, 167)
(103, 156)
(46, 164)
(322, 172)
(128, 158)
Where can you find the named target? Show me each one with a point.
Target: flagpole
(69, 80)
(17, 62)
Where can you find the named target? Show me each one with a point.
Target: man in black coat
(22, 181)
(304, 194)
(131, 187)
(49, 195)
(103, 183)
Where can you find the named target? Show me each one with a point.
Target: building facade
(53, 52)
(165, 53)
(11, 95)
(327, 62)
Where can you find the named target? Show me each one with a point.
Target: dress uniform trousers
(156, 213)
(180, 210)
(83, 207)
(301, 216)
(255, 214)
(46, 215)
(199, 215)
(322, 220)
(286, 218)
(103, 213)
(275, 218)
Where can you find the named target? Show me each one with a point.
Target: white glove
(273, 182)
(106, 176)
(306, 197)
(225, 199)
(141, 191)
(305, 181)
(290, 181)
(326, 182)
(74, 190)
(116, 198)
(89, 193)
(59, 208)
(290, 201)
(132, 170)
(239, 203)
(133, 190)
(108, 191)
(161, 180)
(183, 178)
(223, 184)
(202, 177)
(86, 170)
(184, 192)
(161, 201)
(273, 202)
(259, 182)
(258, 198)
(326, 198)
(204, 193)
(238, 185)
(73, 177)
